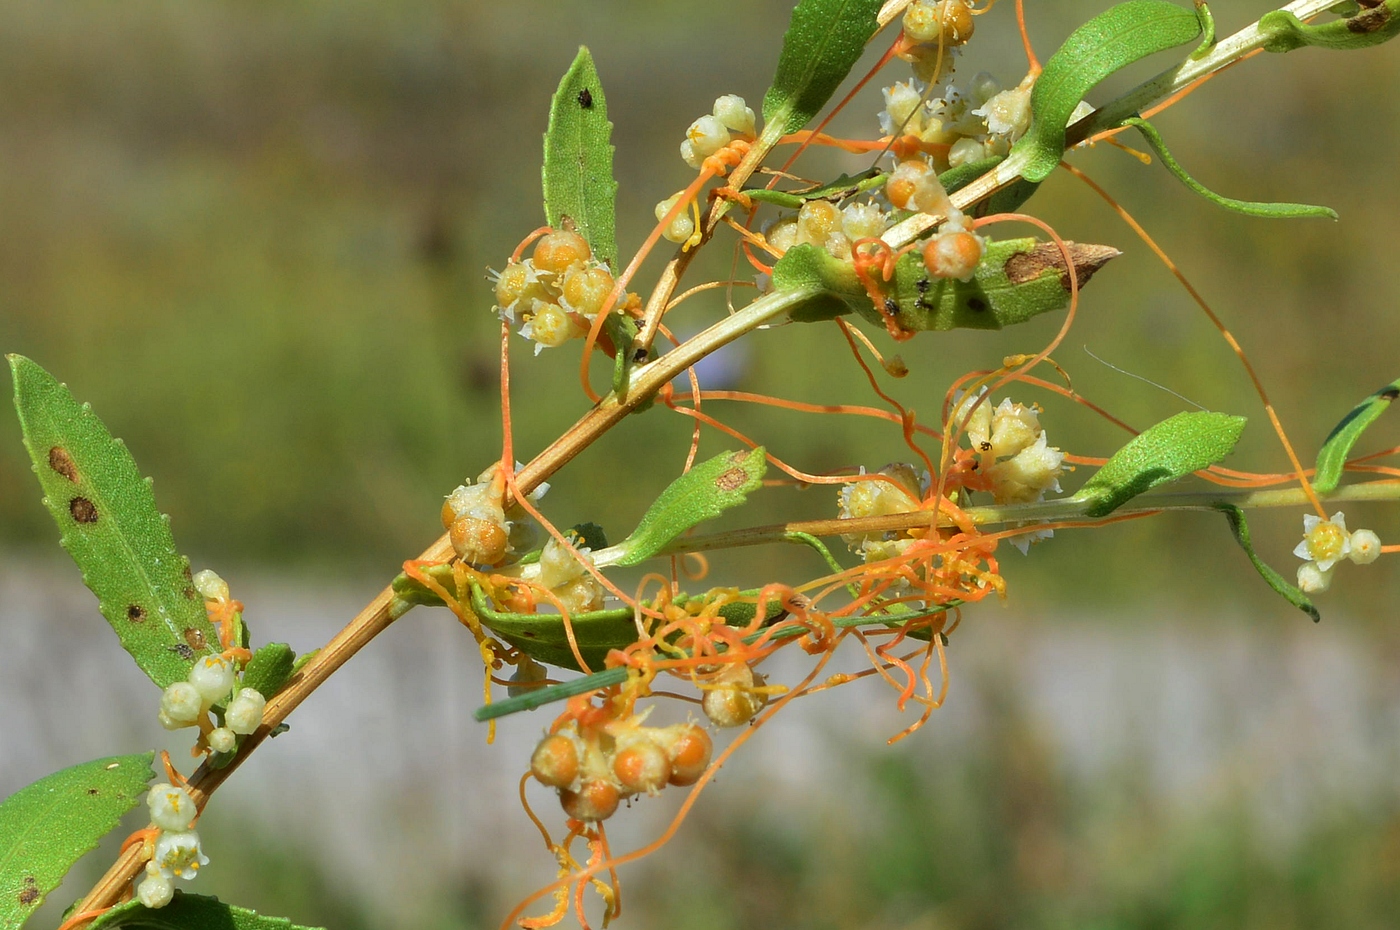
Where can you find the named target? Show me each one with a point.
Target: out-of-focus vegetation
(255, 235)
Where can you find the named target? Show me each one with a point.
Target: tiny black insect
(585, 99)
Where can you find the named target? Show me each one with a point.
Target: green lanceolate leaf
(269, 669)
(189, 912)
(1333, 456)
(843, 187)
(1018, 279)
(824, 40)
(701, 494)
(578, 178)
(1112, 40)
(1248, 208)
(545, 637)
(1172, 449)
(108, 522)
(49, 825)
(1374, 23)
(1240, 528)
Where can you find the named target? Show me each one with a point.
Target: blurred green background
(255, 235)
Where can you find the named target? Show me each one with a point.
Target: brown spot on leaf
(195, 638)
(1389, 393)
(190, 594)
(83, 510)
(731, 479)
(30, 892)
(585, 99)
(136, 613)
(1371, 20)
(183, 651)
(189, 575)
(61, 462)
(976, 304)
(1088, 259)
(92, 792)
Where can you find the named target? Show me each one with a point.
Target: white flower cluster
(1014, 456)
(822, 223)
(594, 770)
(898, 490)
(936, 30)
(560, 570)
(211, 683)
(1327, 542)
(557, 293)
(976, 123)
(730, 117)
(176, 852)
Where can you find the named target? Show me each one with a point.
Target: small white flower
(222, 740)
(902, 112)
(1313, 580)
(707, 135)
(245, 711)
(180, 705)
(1325, 542)
(735, 114)
(559, 564)
(1365, 547)
(178, 854)
(171, 808)
(210, 586)
(212, 677)
(155, 891)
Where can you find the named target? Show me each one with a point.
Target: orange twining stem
(906, 417)
(1032, 61)
(83, 918)
(801, 407)
(898, 45)
(1220, 326)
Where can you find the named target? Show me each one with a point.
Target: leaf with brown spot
(49, 825)
(702, 493)
(108, 522)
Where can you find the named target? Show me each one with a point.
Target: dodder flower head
(180, 705)
(155, 890)
(213, 678)
(171, 808)
(245, 711)
(179, 854)
(1325, 542)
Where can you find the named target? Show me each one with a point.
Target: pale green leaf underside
(1172, 449)
(1110, 41)
(824, 40)
(49, 825)
(189, 912)
(578, 155)
(1017, 280)
(108, 522)
(1240, 528)
(1380, 23)
(1332, 457)
(1246, 207)
(701, 494)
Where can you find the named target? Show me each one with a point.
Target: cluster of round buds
(555, 294)
(734, 696)
(898, 490)
(176, 852)
(593, 772)
(914, 185)
(731, 116)
(1012, 448)
(211, 683)
(955, 250)
(682, 225)
(1327, 542)
(823, 224)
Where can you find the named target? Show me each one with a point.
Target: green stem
(1068, 508)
